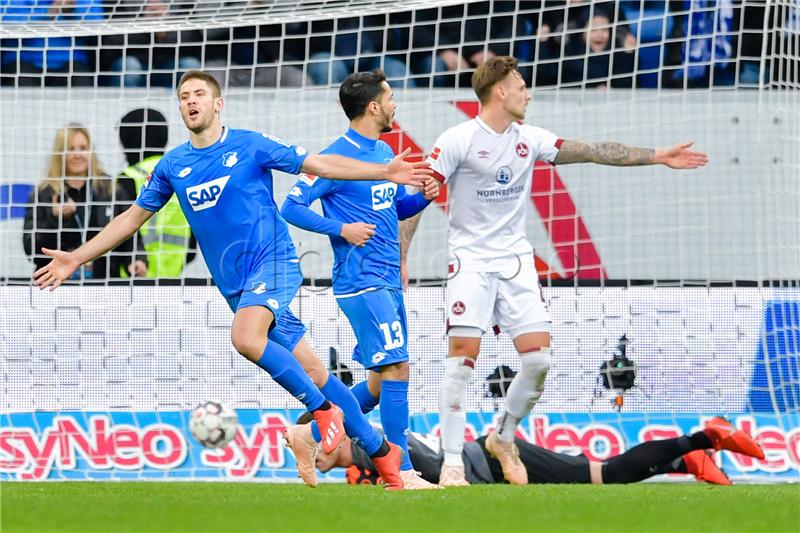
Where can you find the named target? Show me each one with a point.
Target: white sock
(452, 400)
(524, 392)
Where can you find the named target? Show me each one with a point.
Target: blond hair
(491, 72)
(57, 170)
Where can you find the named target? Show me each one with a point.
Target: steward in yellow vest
(166, 237)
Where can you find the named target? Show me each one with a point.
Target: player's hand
(56, 271)
(357, 233)
(404, 273)
(431, 189)
(138, 268)
(405, 172)
(681, 157)
(67, 209)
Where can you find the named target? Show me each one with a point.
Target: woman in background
(75, 201)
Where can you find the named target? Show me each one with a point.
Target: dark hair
(200, 75)
(358, 90)
(143, 133)
(491, 72)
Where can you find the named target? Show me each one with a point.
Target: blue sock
(365, 398)
(356, 424)
(281, 365)
(394, 416)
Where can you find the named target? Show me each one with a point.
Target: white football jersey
(488, 175)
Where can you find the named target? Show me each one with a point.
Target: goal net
(689, 278)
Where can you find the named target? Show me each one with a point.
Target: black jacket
(43, 229)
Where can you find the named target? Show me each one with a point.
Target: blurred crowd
(578, 43)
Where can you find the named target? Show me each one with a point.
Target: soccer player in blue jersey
(361, 219)
(223, 180)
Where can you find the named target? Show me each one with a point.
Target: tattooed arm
(610, 153)
(407, 229)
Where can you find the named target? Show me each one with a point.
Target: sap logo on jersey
(206, 194)
(383, 196)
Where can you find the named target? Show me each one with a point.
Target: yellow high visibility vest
(166, 235)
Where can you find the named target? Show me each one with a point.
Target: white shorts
(511, 300)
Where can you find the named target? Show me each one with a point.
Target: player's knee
(464, 341)
(532, 341)
(395, 372)
(535, 366)
(248, 345)
(318, 374)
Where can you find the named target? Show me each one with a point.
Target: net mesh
(697, 271)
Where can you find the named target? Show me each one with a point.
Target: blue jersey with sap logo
(225, 191)
(376, 264)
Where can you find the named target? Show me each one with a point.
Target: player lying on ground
(223, 180)
(689, 454)
(487, 163)
(361, 219)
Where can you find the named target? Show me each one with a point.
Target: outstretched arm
(64, 264)
(611, 153)
(344, 168)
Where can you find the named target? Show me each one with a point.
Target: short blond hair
(490, 73)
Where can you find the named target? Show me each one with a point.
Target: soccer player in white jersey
(487, 163)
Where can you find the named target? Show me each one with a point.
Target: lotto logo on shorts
(459, 308)
(383, 196)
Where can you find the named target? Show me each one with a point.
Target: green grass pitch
(96, 506)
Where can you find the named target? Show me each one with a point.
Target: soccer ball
(213, 424)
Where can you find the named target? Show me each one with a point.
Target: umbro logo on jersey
(207, 194)
(522, 150)
(229, 159)
(483, 154)
(185, 172)
(383, 196)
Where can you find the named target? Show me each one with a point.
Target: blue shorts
(274, 287)
(378, 319)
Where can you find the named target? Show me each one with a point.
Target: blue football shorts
(378, 319)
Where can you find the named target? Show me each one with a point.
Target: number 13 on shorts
(393, 336)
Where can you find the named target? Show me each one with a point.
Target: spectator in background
(563, 21)
(598, 65)
(702, 46)
(162, 54)
(58, 61)
(342, 36)
(752, 70)
(166, 237)
(73, 203)
(246, 56)
(455, 54)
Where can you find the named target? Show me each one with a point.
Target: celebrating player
(487, 163)
(361, 220)
(223, 180)
(688, 454)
